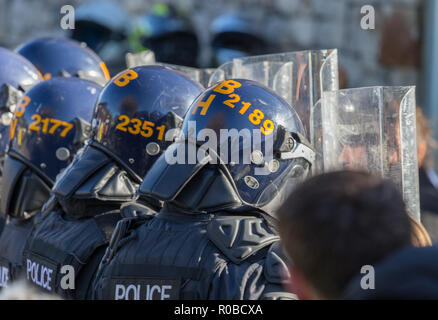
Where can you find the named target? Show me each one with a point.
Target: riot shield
(299, 77)
(374, 129)
(147, 57)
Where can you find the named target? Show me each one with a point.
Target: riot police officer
(17, 75)
(50, 125)
(214, 237)
(132, 123)
(56, 57)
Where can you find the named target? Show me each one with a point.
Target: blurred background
(399, 51)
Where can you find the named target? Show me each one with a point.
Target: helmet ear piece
(83, 131)
(174, 120)
(65, 58)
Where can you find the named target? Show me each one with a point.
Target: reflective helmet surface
(51, 123)
(64, 57)
(168, 34)
(17, 72)
(267, 146)
(135, 111)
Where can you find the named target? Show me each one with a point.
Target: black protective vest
(65, 249)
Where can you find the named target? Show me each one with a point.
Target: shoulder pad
(240, 237)
(275, 265)
(79, 171)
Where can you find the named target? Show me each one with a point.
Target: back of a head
(335, 223)
(235, 35)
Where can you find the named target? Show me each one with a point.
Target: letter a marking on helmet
(204, 104)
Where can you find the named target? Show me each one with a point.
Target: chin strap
(93, 175)
(202, 187)
(198, 187)
(292, 146)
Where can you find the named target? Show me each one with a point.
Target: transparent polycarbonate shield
(298, 77)
(374, 129)
(147, 57)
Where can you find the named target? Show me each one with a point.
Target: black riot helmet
(241, 145)
(235, 35)
(63, 57)
(136, 110)
(168, 34)
(50, 125)
(17, 75)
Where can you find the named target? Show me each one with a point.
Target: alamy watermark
(68, 18)
(44, 275)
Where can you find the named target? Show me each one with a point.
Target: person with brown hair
(427, 177)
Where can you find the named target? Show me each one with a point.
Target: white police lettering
(4, 277)
(240, 309)
(142, 292)
(39, 274)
